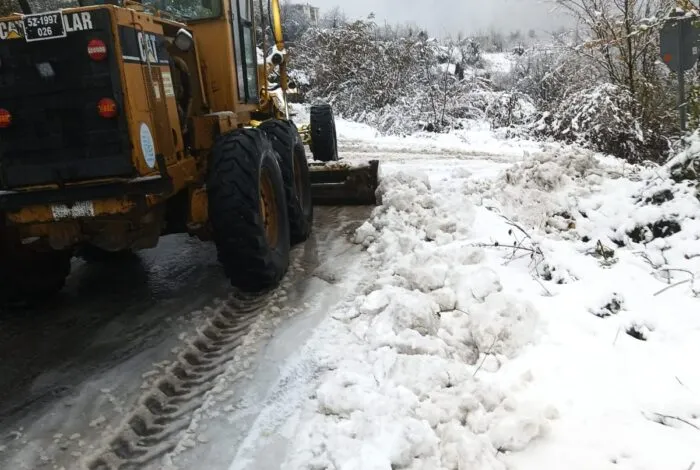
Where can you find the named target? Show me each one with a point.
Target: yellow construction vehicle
(122, 121)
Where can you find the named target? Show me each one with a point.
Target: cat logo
(148, 47)
(11, 30)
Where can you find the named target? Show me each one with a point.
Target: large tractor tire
(30, 276)
(287, 143)
(324, 139)
(248, 210)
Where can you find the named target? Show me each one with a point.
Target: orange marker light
(107, 108)
(5, 118)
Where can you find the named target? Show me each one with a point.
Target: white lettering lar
(87, 20)
(78, 22)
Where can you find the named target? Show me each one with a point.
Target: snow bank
(603, 205)
(614, 249)
(544, 318)
(406, 374)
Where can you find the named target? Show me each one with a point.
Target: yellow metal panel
(218, 65)
(199, 207)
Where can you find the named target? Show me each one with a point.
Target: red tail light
(5, 118)
(97, 50)
(107, 108)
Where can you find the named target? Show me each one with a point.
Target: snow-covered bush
(471, 53)
(549, 75)
(686, 165)
(510, 108)
(359, 75)
(402, 84)
(605, 118)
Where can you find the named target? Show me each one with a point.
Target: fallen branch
(513, 224)
(617, 335)
(535, 251)
(549, 294)
(672, 286)
(663, 416)
(487, 354)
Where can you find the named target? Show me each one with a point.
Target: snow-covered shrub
(686, 165)
(471, 54)
(362, 77)
(548, 76)
(401, 84)
(605, 118)
(510, 108)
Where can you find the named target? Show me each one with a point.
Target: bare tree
(620, 38)
(334, 18)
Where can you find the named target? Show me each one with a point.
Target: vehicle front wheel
(324, 138)
(248, 210)
(287, 143)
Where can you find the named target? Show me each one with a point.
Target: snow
(499, 62)
(518, 310)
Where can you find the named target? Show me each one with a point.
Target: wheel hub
(268, 209)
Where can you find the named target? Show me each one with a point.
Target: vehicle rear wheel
(27, 275)
(248, 210)
(287, 143)
(324, 139)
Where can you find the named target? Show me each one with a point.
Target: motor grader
(123, 121)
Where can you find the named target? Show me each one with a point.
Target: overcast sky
(452, 16)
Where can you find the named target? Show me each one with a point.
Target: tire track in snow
(164, 411)
(219, 348)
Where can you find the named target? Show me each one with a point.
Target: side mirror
(184, 40)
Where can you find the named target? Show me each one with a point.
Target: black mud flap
(341, 183)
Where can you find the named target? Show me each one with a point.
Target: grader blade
(341, 183)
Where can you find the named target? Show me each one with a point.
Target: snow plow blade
(344, 184)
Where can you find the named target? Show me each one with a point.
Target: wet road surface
(68, 366)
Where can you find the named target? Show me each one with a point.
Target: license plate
(43, 26)
(74, 211)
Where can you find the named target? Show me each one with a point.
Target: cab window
(245, 50)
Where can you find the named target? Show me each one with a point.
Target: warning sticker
(168, 84)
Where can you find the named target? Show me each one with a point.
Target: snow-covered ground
(499, 62)
(519, 306)
(508, 305)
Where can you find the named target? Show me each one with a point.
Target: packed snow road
(71, 372)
